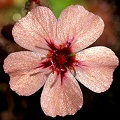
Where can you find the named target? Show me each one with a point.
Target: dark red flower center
(59, 59)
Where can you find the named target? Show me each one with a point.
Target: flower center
(59, 59)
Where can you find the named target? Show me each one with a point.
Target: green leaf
(59, 5)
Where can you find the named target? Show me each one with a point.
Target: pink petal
(78, 26)
(96, 68)
(27, 82)
(62, 99)
(32, 31)
(25, 77)
(24, 60)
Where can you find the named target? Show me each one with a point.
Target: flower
(58, 58)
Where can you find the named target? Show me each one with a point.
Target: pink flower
(58, 58)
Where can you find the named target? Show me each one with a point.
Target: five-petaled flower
(58, 58)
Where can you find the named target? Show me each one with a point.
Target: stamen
(42, 48)
(72, 54)
(72, 70)
(34, 74)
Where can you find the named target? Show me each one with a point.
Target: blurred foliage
(59, 5)
(13, 12)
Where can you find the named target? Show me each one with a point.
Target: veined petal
(27, 82)
(79, 27)
(32, 31)
(25, 75)
(95, 68)
(61, 99)
(24, 60)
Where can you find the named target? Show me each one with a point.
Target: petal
(24, 60)
(25, 77)
(26, 83)
(95, 68)
(79, 26)
(61, 99)
(32, 31)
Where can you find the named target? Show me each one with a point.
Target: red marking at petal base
(59, 58)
